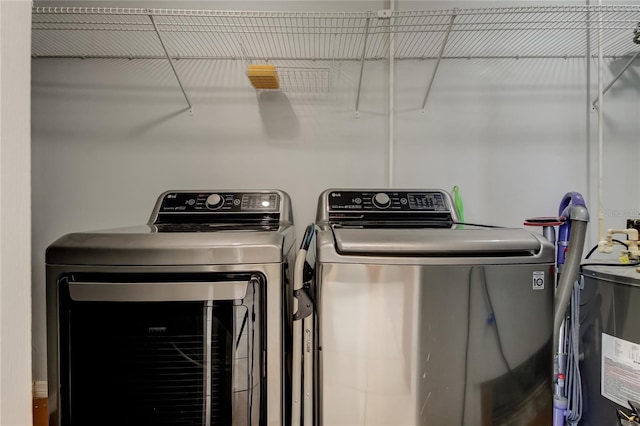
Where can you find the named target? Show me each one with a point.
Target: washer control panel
(391, 201)
(222, 202)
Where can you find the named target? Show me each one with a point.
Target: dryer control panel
(227, 202)
(238, 207)
(431, 201)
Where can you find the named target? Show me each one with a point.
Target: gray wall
(110, 135)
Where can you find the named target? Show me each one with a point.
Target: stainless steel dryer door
(161, 349)
(434, 345)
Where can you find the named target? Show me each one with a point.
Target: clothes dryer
(183, 321)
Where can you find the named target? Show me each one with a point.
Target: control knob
(214, 202)
(381, 200)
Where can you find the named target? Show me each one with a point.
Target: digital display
(259, 202)
(431, 202)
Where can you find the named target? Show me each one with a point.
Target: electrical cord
(573, 413)
(307, 237)
(621, 265)
(244, 324)
(593, 249)
(477, 224)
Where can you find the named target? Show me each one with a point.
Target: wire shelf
(521, 32)
(305, 79)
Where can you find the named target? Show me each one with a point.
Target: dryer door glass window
(158, 363)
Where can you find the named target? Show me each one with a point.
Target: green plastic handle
(458, 201)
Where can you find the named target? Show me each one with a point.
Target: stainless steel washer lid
(460, 245)
(144, 245)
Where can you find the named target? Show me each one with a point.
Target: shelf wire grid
(305, 79)
(520, 32)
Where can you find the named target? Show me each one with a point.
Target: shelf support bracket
(440, 54)
(173, 67)
(364, 51)
(606, 89)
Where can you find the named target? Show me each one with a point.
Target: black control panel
(389, 201)
(222, 202)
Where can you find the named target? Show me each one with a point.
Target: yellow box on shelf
(263, 77)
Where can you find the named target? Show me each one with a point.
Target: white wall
(509, 133)
(111, 135)
(512, 135)
(621, 136)
(15, 219)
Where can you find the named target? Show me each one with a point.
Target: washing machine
(183, 321)
(422, 320)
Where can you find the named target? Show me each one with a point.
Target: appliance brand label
(538, 280)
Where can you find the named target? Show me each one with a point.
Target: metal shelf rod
(197, 13)
(330, 59)
(364, 51)
(435, 69)
(176, 27)
(622, 71)
(333, 15)
(173, 67)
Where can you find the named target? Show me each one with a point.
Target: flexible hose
(571, 270)
(296, 374)
(574, 381)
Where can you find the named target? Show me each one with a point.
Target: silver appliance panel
(146, 291)
(437, 242)
(144, 245)
(423, 320)
(450, 344)
(157, 269)
(452, 248)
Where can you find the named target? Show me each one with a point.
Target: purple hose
(559, 407)
(569, 200)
